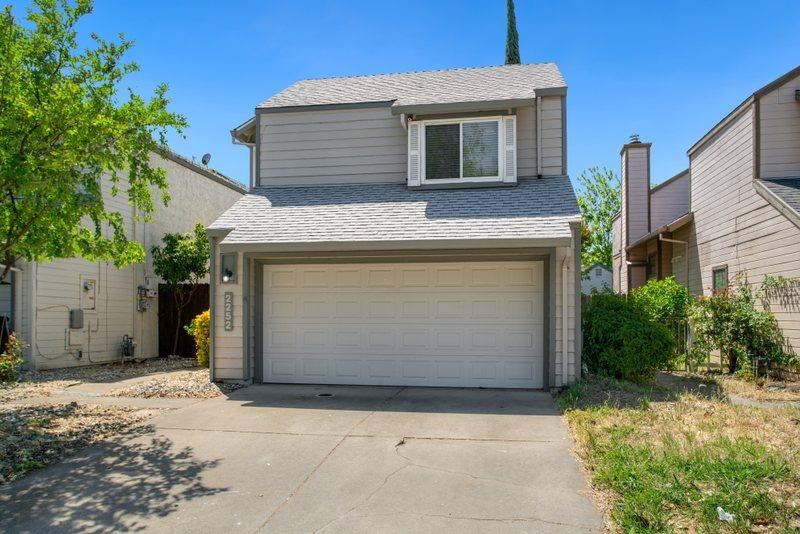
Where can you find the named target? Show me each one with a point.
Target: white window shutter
(414, 164)
(510, 149)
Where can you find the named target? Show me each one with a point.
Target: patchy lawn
(663, 458)
(188, 384)
(46, 383)
(34, 436)
(760, 391)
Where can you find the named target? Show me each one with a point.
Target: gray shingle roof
(536, 208)
(507, 82)
(787, 189)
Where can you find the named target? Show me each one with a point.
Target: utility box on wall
(88, 291)
(76, 319)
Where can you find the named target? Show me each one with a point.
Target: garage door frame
(258, 261)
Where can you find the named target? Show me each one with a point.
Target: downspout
(564, 320)
(539, 136)
(252, 149)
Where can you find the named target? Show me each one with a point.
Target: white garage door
(423, 324)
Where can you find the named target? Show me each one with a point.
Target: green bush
(199, 329)
(11, 359)
(731, 323)
(620, 339)
(665, 301)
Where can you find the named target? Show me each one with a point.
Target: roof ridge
(396, 73)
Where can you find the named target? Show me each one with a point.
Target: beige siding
(780, 131)
(552, 136)
(229, 344)
(370, 145)
(636, 183)
(333, 146)
(572, 264)
(669, 202)
(526, 142)
(734, 225)
(57, 285)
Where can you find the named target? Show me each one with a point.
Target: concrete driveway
(294, 459)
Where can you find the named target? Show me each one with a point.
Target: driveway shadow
(397, 399)
(112, 487)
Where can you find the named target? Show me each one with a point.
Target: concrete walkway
(285, 459)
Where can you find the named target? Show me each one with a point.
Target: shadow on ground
(397, 399)
(597, 391)
(122, 486)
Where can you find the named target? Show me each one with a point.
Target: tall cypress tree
(512, 37)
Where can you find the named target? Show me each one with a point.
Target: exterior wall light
(228, 268)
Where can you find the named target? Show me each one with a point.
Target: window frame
(462, 179)
(714, 271)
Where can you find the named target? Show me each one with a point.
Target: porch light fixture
(228, 268)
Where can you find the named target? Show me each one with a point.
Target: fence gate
(167, 318)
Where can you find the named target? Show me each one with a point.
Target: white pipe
(564, 320)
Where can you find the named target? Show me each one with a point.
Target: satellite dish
(206, 158)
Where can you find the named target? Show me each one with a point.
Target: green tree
(63, 127)
(512, 37)
(182, 261)
(599, 200)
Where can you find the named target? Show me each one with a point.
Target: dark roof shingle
(786, 189)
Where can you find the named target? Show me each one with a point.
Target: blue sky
(665, 70)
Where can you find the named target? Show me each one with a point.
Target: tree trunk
(177, 332)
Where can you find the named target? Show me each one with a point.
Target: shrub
(11, 359)
(199, 329)
(730, 322)
(622, 341)
(664, 301)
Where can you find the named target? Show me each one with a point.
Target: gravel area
(45, 383)
(188, 384)
(34, 436)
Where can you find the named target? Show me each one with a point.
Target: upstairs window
(462, 150)
(469, 150)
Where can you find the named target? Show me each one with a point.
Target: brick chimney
(635, 181)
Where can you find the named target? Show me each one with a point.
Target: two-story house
(735, 210)
(403, 229)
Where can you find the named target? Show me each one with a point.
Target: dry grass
(663, 462)
(34, 436)
(188, 384)
(761, 392)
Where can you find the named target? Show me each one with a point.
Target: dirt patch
(182, 385)
(46, 383)
(34, 436)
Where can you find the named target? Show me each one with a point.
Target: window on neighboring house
(598, 272)
(719, 278)
(652, 266)
(470, 150)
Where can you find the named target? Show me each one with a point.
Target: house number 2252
(228, 317)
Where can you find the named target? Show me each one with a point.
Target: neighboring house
(113, 302)
(596, 278)
(403, 229)
(735, 210)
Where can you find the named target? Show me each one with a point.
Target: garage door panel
(466, 324)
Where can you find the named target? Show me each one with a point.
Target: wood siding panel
(734, 225)
(779, 116)
(670, 202)
(333, 146)
(552, 136)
